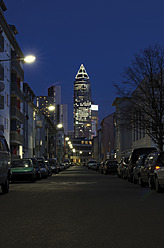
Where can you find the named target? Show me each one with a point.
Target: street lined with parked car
(81, 208)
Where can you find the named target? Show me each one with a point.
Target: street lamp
(51, 108)
(27, 59)
(59, 126)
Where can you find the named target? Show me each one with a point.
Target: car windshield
(20, 163)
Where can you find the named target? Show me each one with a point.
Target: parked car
(37, 168)
(137, 168)
(5, 160)
(66, 163)
(122, 168)
(134, 157)
(97, 166)
(23, 169)
(101, 167)
(110, 167)
(155, 171)
(49, 168)
(91, 163)
(147, 170)
(43, 167)
(159, 173)
(54, 165)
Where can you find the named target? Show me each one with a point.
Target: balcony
(1, 72)
(15, 90)
(1, 43)
(17, 114)
(1, 102)
(15, 65)
(16, 138)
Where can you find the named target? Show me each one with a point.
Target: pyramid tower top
(82, 74)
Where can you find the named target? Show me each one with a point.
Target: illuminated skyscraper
(82, 105)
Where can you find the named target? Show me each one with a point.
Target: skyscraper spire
(82, 74)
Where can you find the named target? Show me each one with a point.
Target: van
(5, 160)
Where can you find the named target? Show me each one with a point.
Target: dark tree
(142, 89)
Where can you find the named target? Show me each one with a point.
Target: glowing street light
(59, 126)
(51, 108)
(27, 59)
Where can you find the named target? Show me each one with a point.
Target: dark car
(137, 168)
(5, 159)
(37, 168)
(122, 169)
(147, 170)
(23, 169)
(91, 163)
(54, 165)
(157, 163)
(101, 167)
(110, 167)
(49, 168)
(134, 157)
(159, 173)
(43, 167)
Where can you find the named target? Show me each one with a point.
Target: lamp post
(60, 140)
(27, 59)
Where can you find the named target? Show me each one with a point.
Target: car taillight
(157, 167)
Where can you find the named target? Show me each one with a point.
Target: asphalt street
(83, 209)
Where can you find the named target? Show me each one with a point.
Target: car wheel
(157, 186)
(5, 187)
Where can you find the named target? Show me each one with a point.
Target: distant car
(91, 163)
(54, 165)
(43, 167)
(137, 168)
(96, 167)
(49, 168)
(122, 168)
(66, 163)
(37, 168)
(5, 160)
(22, 169)
(101, 167)
(110, 167)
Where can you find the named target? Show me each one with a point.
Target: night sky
(103, 35)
